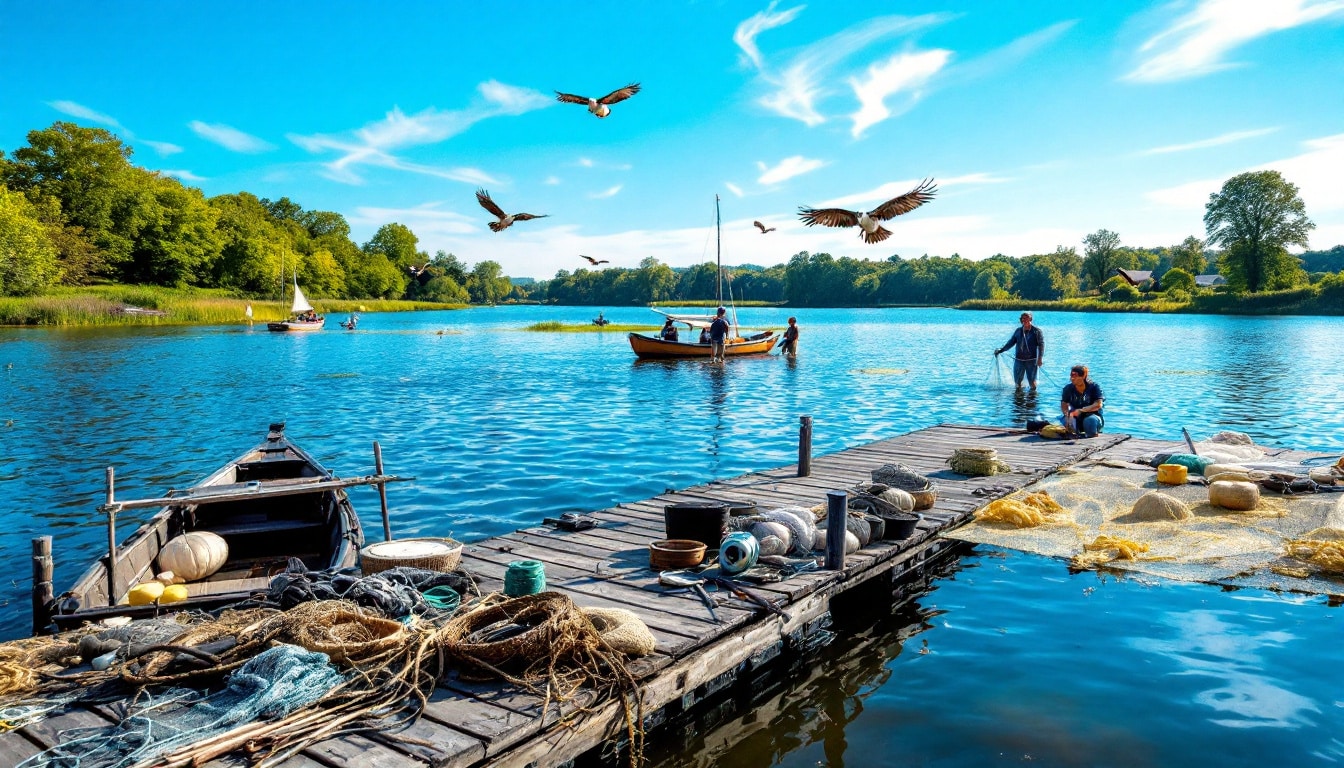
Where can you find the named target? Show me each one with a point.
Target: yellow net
(1285, 542)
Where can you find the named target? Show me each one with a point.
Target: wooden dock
(487, 724)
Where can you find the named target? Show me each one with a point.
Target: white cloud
(971, 178)
(1010, 55)
(1315, 172)
(586, 162)
(1197, 42)
(82, 112)
(427, 221)
(551, 181)
(1226, 138)
(229, 137)
(787, 169)
(801, 82)
(904, 72)
(182, 175)
(163, 148)
(736, 190)
(374, 144)
(610, 192)
(746, 32)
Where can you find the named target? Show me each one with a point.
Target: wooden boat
(270, 504)
(302, 317)
(736, 345)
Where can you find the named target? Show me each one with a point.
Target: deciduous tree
(1255, 217)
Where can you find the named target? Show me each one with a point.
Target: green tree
(397, 242)
(1189, 256)
(1102, 249)
(1255, 217)
(173, 231)
(1177, 279)
(994, 281)
(28, 258)
(653, 281)
(487, 284)
(252, 246)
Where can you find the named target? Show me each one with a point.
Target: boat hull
(320, 528)
(286, 326)
(651, 348)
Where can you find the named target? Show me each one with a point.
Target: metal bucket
(703, 522)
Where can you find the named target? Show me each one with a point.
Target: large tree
(1255, 217)
(1102, 256)
(27, 255)
(1189, 256)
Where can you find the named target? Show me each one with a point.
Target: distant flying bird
(414, 270)
(872, 231)
(600, 107)
(505, 219)
(763, 228)
(593, 261)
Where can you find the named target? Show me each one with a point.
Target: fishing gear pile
(977, 462)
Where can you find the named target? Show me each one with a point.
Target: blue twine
(524, 577)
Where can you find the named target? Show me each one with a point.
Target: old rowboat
(653, 348)
(272, 503)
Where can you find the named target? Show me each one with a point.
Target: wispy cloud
(1315, 171)
(426, 220)
(551, 181)
(903, 73)
(802, 81)
(736, 190)
(588, 162)
(786, 169)
(887, 191)
(972, 178)
(1196, 43)
(182, 175)
(609, 192)
(162, 147)
(374, 144)
(82, 112)
(1009, 55)
(1226, 138)
(229, 137)
(746, 32)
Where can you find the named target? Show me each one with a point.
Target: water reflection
(1024, 406)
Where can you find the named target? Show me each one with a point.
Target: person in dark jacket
(669, 332)
(1081, 403)
(789, 344)
(718, 336)
(1030, 344)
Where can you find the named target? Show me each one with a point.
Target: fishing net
(271, 685)
(996, 378)
(977, 462)
(920, 488)
(395, 593)
(1285, 542)
(622, 630)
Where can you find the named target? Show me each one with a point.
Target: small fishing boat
(273, 503)
(736, 345)
(302, 316)
(350, 324)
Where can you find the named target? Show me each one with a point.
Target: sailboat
(302, 317)
(655, 347)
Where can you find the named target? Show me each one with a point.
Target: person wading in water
(1030, 343)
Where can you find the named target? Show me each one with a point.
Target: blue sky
(1041, 122)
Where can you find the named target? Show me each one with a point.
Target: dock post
(111, 542)
(804, 446)
(837, 510)
(382, 489)
(43, 593)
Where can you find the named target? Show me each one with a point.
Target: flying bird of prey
(600, 107)
(872, 231)
(593, 261)
(763, 228)
(505, 219)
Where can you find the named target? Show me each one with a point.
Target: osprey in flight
(872, 231)
(600, 107)
(593, 261)
(505, 219)
(763, 228)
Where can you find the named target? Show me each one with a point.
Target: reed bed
(555, 326)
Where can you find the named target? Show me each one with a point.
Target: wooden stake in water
(111, 541)
(43, 593)
(837, 509)
(382, 490)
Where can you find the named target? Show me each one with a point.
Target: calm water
(503, 427)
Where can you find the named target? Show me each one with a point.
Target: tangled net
(977, 462)
(1030, 511)
(906, 479)
(1105, 549)
(1322, 547)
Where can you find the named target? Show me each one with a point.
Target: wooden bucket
(670, 554)
(432, 554)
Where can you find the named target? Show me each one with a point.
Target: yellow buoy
(1171, 474)
(174, 594)
(144, 594)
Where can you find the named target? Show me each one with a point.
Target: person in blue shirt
(718, 336)
(1081, 403)
(1030, 343)
(669, 332)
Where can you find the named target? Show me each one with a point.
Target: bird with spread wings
(872, 232)
(763, 228)
(593, 261)
(600, 107)
(505, 219)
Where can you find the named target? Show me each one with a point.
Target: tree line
(74, 209)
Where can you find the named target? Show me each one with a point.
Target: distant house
(1208, 281)
(1134, 276)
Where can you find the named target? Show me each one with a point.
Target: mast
(718, 252)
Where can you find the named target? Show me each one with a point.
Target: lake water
(502, 427)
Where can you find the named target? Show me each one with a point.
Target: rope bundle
(977, 462)
(906, 479)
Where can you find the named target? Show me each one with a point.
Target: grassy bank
(555, 326)
(108, 305)
(1309, 300)
(713, 303)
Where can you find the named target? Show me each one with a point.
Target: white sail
(300, 302)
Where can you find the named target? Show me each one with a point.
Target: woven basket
(670, 554)
(432, 554)
(977, 462)
(900, 476)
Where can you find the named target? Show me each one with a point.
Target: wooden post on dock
(382, 490)
(43, 593)
(804, 446)
(111, 542)
(837, 511)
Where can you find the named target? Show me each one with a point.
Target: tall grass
(105, 305)
(555, 326)
(1307, 300)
